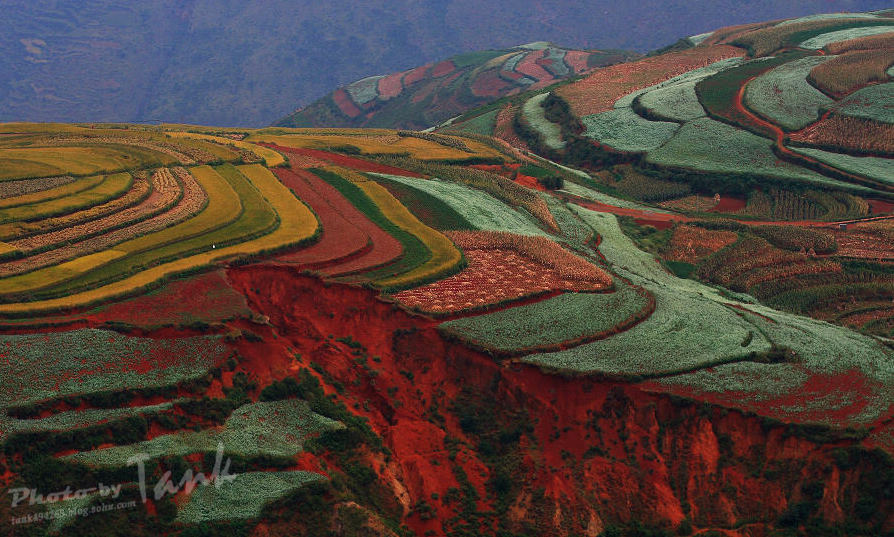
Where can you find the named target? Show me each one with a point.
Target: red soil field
(880, 206)
(492, 277)
(529, 66)
(489, 84)
(427, 89)
(442, 68)
(341, 238)
(729, 204)
(599, 91)
(503, 128)
(345, 104)
(390, 86)
(205, 297)
(577, 60)
(415, 75)
(692, 244)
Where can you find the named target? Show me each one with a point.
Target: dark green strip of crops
(415, 252)
(257, 219)
(429, 209)
(718, 93)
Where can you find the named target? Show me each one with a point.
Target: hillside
(431, 94)
(230, 62)
(652, 301)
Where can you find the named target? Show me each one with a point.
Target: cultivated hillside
(231, 62)
(428, 95)
(658, 303)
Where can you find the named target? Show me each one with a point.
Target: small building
(842, 227)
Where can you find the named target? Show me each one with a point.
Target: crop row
(443, 257)
(852, 70)
(92, 236)
(477, 207)
(850, 134)
(296, 225)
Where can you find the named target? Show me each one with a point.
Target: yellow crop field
(224, 206)
(271, 157)
(31, 281)
(297, 224)
(106, 188)
(381, 144)
(20, 163)
(6, 248)
(445, 257)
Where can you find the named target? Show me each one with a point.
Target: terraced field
(106, 235)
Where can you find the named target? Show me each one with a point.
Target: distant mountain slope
(427, 95)
(229, 62)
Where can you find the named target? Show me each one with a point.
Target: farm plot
(297, 225)
(783, 95)
(694, 75)
(106, 188)
(872, 103)
(880, 169)
(828, 38)
(22, 187)
(223, 207)
(21, 232)
(271, 157)
(429, 209)
(764, 41)
(564, 320)
(186, 202)
(692, 244)
(48, 366)
(534, 114)
(625, 130)
(714, 340)
(721, 97)
(504, 267)
(28, 191)
(598, 91)
(852, 70)
(347, 232)
(850, 134)
(480, 209)
(677, 102)
(275, 429)
(25, 163)
(685, 332)
(443, 257)
(423, 149)
(244, 497)
(714, 147)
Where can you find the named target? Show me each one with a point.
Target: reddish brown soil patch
(350, 241)
(493, 277)
(345, 104)
(441, 69)
(729, 204)
(341, 238)
(391, 86)
(692, 244)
